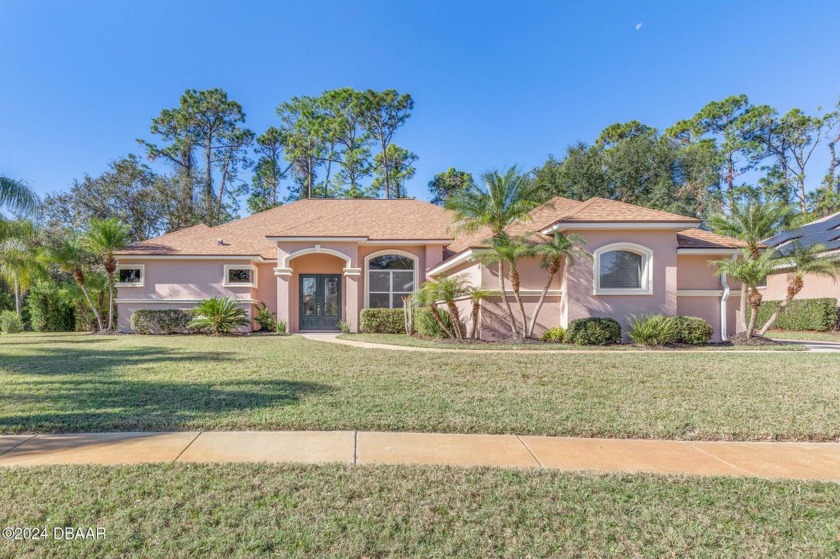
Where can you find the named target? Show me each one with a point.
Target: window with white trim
(390, 278)
(130, 275)
(240, 276)
(623, 269)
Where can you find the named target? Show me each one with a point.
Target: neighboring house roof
(825, 231)
(373, 219)
(701, 239)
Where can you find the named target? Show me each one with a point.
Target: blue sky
(495, 83)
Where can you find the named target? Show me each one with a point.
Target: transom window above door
(390, 278)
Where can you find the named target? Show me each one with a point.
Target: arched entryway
(317, 292)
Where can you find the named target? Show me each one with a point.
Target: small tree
(70, 255)
(751, 272)
(427, 297)
(508, 251)
(803, 261)
(553, 252)
(103, 238)
(477, 295)
(219, 315)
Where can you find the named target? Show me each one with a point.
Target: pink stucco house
(318, 261)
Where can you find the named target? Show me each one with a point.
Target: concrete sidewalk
(818, 461)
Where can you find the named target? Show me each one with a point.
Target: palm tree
(103, 238)
(449, 289)
(502, 200)
(751, 223)
(427, 297)
(553, 252)
(17, 197)
(21, 259)
(803, 261)
(477, 295)
(750, 272)
(70, 255)
(504, 250)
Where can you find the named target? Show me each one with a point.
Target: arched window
(390, 278)
(623, 269)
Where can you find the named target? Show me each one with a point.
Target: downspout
(723, 298)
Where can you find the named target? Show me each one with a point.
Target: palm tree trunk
(110, 301)
(93, 308)
(794, 287)
(476, 310)
(514, 279)
(503, 292)
(755, 303)
(533, 323)
(436, 315)
(456, 320)
(17, 296)
(743, 308)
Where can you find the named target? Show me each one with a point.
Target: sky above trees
(494, 83)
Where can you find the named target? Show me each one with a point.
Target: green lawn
(259, 510)
(66, 383)
(414, 341)
(807, 336)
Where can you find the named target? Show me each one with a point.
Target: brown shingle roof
(601, 210)
(698, 238)
(403, 219)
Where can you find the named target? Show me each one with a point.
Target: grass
(804, 335)
(77, 383)
(414, 341)
(261, 510)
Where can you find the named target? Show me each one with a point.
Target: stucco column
(284, 278)
(351, 297)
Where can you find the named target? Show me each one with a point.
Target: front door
(320, 301)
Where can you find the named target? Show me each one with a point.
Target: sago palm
(751, 272)
(219, 315)
(803, 262)
(553, 252)
(104, 237)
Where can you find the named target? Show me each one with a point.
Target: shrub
(10, 322)
(344, 327)
(692, 330)
(281, 326)
(51, 308)
(593, 331)
(802, 314)
(652, 329)
(554, 335)
(265, 318)
(426, 324)
(382, 321)
(169, 321)
(219, 315)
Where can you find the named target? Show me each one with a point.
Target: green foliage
(593, 331)
(219, 315)
(554, 335)
(17, 197)
(344, 327)
(265, 318)
(282, 327)
(51, 308)
(169, 321)
(652, 330)
(426, 325)
(803, 314)
(444, 184)
(382, 321)
(692, 330)
(10, 322)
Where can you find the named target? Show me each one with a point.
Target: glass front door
(320, 301)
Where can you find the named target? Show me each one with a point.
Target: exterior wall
(815, 287)
(180, 284)
(579, 280)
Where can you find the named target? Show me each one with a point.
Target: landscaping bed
(84, 383)
(261, 510)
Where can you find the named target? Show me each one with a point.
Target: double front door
(320, 301)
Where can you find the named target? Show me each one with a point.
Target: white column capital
(282, 272)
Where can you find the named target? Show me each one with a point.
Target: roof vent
(220, 242)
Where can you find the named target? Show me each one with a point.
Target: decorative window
(623, 269)
(130, 276)
(240, 276)
(390, 278)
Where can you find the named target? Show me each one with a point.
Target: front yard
(254, 510)
(804, 335)
(72, 382)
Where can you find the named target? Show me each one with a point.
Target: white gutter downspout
(723, 333)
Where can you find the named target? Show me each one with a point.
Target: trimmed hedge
(593, 331)
(10, 322)
(51, 309)
(169, 321)
(426, 325)
(382, 321)
(802, 314)
(692, 330)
